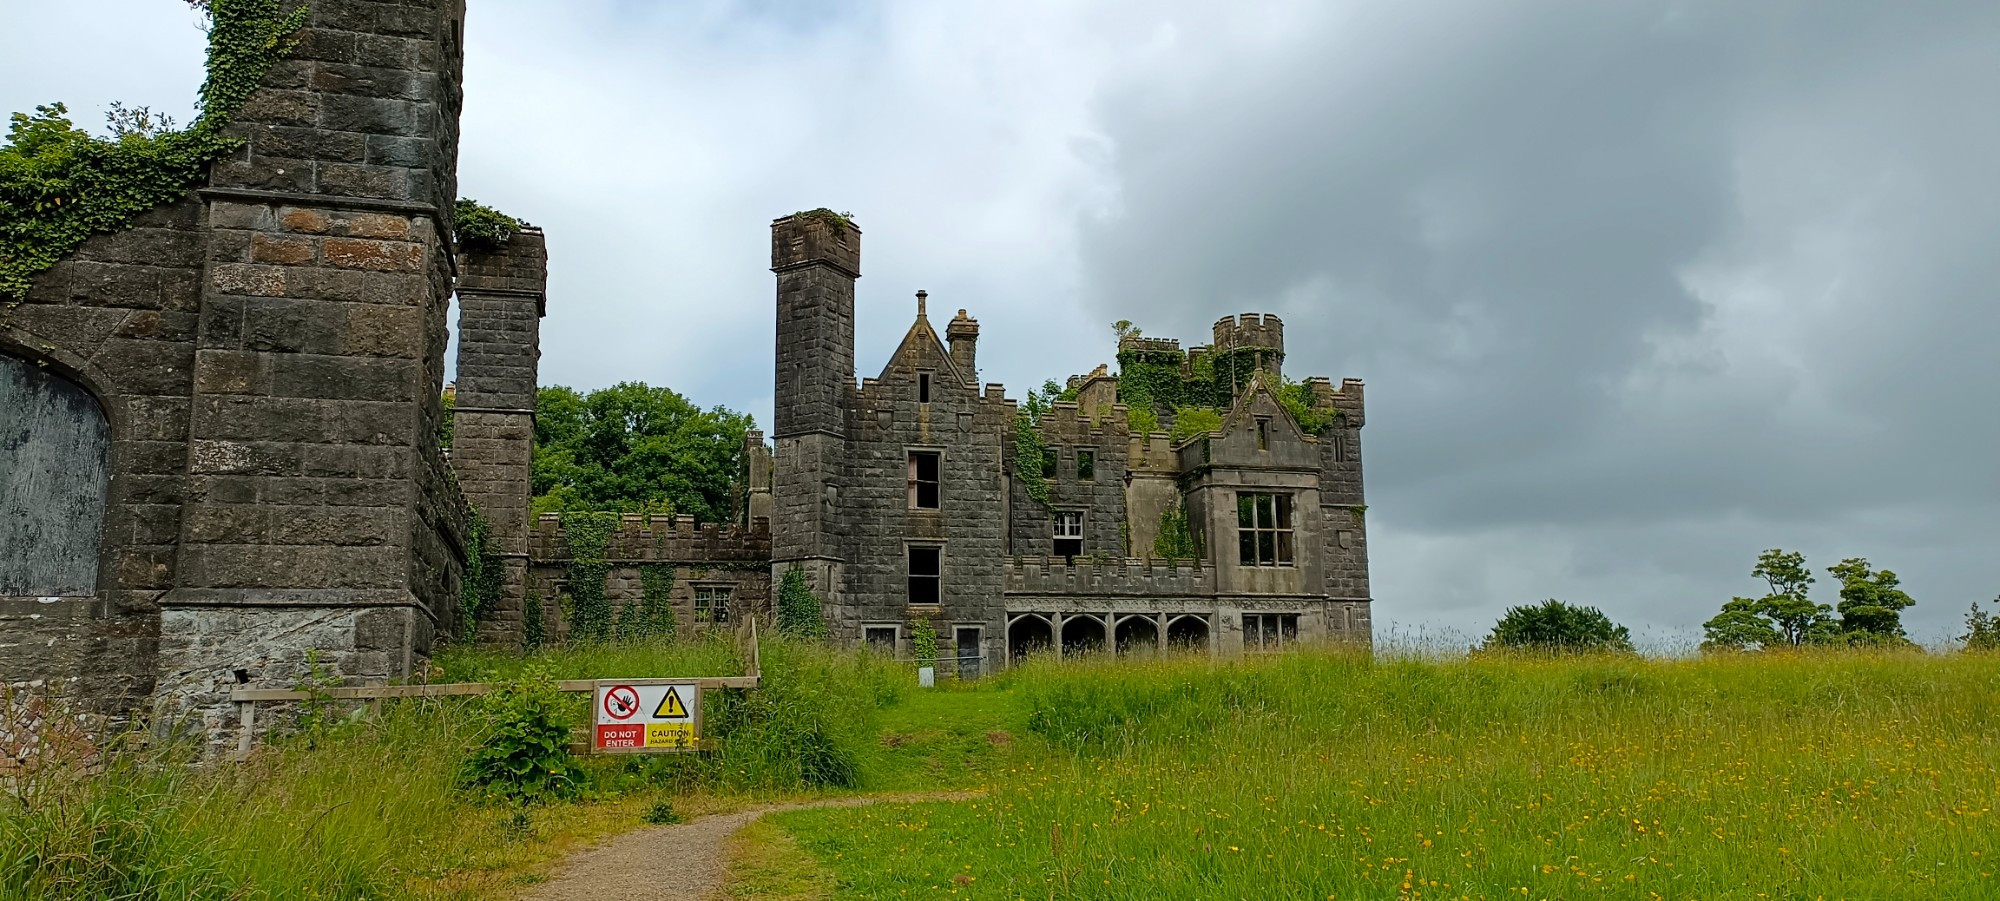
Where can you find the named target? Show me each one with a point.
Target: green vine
(481, 227)
(1176, 539)
(924, 641)
(653, 616)
(1153, 381)
(799, 610)
(485, 573)
(1031, 454)
(59, 185)
(533, 631)
(587, 534)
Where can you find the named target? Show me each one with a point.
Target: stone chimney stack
(963, 333)
(502, 297)
(817, 258)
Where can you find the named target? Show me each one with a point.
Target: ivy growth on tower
(59, 184)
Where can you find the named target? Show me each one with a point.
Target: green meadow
(1311, 774)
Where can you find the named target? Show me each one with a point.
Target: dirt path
(671, 863)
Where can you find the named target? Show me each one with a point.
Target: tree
(1871, 606)
(799, 613)
(1555, 626)
(635, 448)
(1740, 626)
(1785, 616)
(1982, 629)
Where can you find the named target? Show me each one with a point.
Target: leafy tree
(1982, 629)
(1783, 617)
(1555, 626)
(1871, 606)
(635, 448)
(799, 612)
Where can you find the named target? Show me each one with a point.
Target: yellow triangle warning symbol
(671, 707)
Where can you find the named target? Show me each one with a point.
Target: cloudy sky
(1638, 289)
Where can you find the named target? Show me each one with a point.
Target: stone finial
(921, 297)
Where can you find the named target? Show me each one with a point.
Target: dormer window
(923, 387)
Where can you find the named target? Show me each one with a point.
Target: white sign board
(646, 716)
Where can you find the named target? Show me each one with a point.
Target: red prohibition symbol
(621, 702)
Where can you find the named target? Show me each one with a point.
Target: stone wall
(706, 554)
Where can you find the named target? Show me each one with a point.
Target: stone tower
(318, 512)
(817, 257)
(502, 297)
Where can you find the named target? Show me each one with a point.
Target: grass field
(1322, 775)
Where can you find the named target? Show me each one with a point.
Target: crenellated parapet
(1098, 576)
(679, 539)
(1248, 331)
(1349, 398)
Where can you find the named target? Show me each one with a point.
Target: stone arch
(1082, 633)
(1136, 634)
(1189, 631)
(55, 445)
(1029, 633)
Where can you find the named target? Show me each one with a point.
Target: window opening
(711, 604)
(1270, 631)
(880, 639)
(1086, 465)
(925, 480)
(1263, 434)
(1051, 460)
(926, 574)
(923, 387)
(1069, 533)
(1264, 529)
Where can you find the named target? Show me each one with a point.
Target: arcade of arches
(1124, 633)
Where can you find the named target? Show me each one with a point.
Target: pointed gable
(922, 347)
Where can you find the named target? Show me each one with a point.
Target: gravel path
(688, 861)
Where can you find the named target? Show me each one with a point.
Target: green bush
(523, 753)
(799, 613)
(1553, 626)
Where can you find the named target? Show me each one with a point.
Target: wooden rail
(247, 699)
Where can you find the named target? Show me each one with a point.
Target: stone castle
(220, 465)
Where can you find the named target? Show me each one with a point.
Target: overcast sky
(1638, 289)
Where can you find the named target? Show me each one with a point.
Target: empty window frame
(926, 574)
(1086, 465)
(711, 603)
(1069, 533)
(1269, 631)
(1263, 434)
(1264, 529)
(880, 639)
(926, 469)
(923, 387)
(1051, 461)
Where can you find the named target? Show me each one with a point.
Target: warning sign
(644, 716)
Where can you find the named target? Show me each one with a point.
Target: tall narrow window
(926, 574)
(1051, 460)
(1264, 529)
(1263, 434)
(923, 387)
(925, 467)
(1339, 447)
(1069, 533)
(1086, 465)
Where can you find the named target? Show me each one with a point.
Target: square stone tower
(817, 258)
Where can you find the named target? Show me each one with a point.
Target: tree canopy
(1555, 626)
(635, 448)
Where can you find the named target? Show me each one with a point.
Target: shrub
(524, 753)
(799, 613)
(1555, 626)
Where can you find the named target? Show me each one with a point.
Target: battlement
(1250, 330)
(1143, 577)
(819, 236)
(1149, 345)
(644, 539)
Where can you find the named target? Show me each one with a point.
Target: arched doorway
(1029, 633)
(1188, 632)
(54, 448)
(1082, 634)
(1137, 635)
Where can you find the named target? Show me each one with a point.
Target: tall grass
(374, 809)
(1318, 774)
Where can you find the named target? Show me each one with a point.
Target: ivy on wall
(59, 184)
(587, 535)
(485, 573)
(1153, 382)
(799, 611)
(653, 616)
(1175, 540)
(924, 641)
